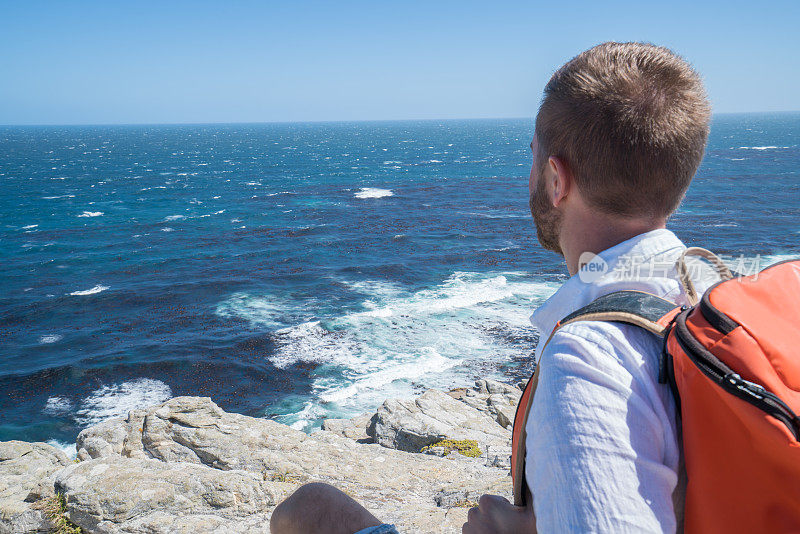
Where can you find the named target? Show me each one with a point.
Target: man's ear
(562, 179)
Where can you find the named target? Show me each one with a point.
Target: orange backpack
(733, 363)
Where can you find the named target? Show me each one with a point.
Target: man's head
(627, 123)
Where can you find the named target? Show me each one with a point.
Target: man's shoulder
(606, 345)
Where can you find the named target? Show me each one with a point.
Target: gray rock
(487, 385)
(490, 397)
(499, 456)
(26, 480)
(409, 425)
(355, 428)
(192, 434)
(504, 408)
(115, 494)
(102, 439)
(113, 436)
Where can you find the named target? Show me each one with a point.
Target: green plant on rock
(466, 503)
(283, 477)
(464, 447)
(55, 508)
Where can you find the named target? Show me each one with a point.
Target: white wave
(58, 196)
(57, 405)
(751, 265)
(91, 214)
(772, 259)
(373, 192)
(400, 340)
(167, 229)
(428, 361)
(762, 147)
(118, 399)
(96, 289)
(174, 217)
(380, 289)
(50, 338)
(259, 311)
(503, 249)
(403, 339)
(67, 448)
(30, 226)
(312, 342)
(305, 418)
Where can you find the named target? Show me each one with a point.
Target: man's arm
(602, 451)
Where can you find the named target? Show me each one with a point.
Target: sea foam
(57, 405)
(118, 399)
(373, 192)
(400, 340)
(259, 311)
(50, 338)
(96, 289)
(67, 448)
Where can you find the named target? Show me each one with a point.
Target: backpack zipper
(720, 373)
(772, 404)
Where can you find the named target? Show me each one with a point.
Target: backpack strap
(685, 276)
(632, 307)
(638, 308)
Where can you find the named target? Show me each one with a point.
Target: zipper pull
(733, 380)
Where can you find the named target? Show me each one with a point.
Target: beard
(546, 218)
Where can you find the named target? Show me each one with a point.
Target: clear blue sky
(238, 61)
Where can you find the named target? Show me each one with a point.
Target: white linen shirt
(603, 449)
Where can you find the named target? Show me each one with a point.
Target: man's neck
(589, 231)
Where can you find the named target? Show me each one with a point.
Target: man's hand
(495, 515)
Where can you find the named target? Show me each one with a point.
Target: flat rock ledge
(187, 466)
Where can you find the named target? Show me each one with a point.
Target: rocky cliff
(187, 466)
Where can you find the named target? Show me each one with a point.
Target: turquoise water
(302, 271)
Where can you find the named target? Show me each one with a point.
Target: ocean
(304, 271)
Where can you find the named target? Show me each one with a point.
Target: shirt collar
(575, 293)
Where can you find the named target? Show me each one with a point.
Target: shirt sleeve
(602, 452)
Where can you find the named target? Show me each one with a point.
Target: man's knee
(294, 511)
(318, 507)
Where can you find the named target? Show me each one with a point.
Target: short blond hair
(631, 120)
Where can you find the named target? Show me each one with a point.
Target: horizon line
(332, 121)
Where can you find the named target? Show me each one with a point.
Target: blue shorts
(380, 529)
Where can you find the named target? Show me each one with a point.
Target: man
(619, 135)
